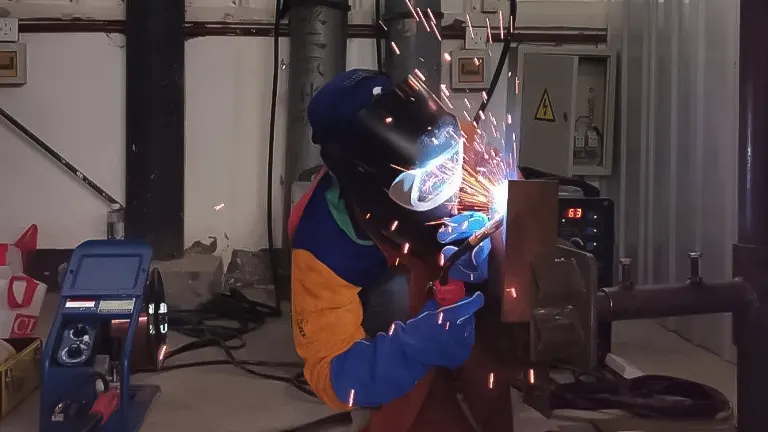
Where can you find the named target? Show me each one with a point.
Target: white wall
(74, 100)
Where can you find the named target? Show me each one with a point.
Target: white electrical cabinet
(566, 108)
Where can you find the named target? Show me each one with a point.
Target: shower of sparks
(423, 20)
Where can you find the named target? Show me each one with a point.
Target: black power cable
(271, 152)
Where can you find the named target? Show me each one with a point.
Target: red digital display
(574, 213)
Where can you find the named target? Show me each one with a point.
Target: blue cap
(334, 106)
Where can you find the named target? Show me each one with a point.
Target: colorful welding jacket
(334, 266)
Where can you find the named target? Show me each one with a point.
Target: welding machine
(110, 317)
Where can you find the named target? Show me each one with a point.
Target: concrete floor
(224, 399)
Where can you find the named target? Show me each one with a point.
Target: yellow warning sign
(545, 112)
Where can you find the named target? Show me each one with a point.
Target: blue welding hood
(395, 150)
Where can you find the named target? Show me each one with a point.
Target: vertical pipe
(751, 250)
(417, 41)
(154, 109)
(318, 32)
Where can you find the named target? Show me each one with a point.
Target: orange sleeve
(327, 316)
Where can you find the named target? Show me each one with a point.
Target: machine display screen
(574, 213)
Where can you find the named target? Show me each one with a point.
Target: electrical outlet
(476, 38)
(9, 29)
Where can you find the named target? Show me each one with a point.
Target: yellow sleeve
(327, 316)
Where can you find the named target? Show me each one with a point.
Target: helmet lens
(438, 177)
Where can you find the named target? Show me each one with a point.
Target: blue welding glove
(387, 366)
(472, 267)
(443, 336)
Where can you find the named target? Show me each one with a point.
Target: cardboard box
(20, 375)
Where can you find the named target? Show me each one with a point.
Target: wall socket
(9, 29)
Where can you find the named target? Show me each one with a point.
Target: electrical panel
(566, 107)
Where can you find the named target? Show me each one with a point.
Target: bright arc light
(499, 197)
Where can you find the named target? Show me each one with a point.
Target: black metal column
(154, 55)
(751, 252)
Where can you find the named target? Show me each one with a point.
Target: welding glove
(472, 267)
(381, 369)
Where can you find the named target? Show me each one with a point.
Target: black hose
(271, 152)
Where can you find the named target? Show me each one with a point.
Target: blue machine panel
(107, 267)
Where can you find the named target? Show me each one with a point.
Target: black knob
(80, 331)
(74, 351)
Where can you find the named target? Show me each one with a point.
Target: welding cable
(377, 30)
(280, 11)
(500, 65)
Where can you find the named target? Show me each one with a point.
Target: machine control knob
(74, 352)
(577, 242)
(80, 331)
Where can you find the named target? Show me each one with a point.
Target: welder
(368, 238)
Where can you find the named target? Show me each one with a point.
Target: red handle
(449, 293)
(30, 287)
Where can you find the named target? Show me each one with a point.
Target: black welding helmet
(396, 152)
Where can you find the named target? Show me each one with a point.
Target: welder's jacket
(336, 266)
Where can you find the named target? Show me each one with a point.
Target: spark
(512, 292)
(447, 102)
(447, 58)
(424, 21)
(531, 376)
(351, 399)
(485, 96)
(466, 102)
(447, 324)
(517, 86)
(410, 6)
(391, 329)
(490, 380)
(501, 24)
(440, 318)
(509, 118)
(368, 216)
(476, 61)
(388, 120)
(431, 17)
(395, 48)
(218, 207)
(437, 32)
(383, 26)
(397, 262)
(482, 115)
(419, 74)
(393, 226)
(488, 30)
(469, 25)
(441, 259)
(406, 248)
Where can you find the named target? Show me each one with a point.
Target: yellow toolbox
(19, 375)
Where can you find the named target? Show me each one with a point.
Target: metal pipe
(61, 160)
(750, 253)
(661, 301)
(414, 44)
(565, 35)
(318, 53)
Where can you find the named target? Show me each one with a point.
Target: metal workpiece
(673, 300)
(411, 45)
(530, 240)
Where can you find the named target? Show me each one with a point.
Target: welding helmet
(396, 152)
